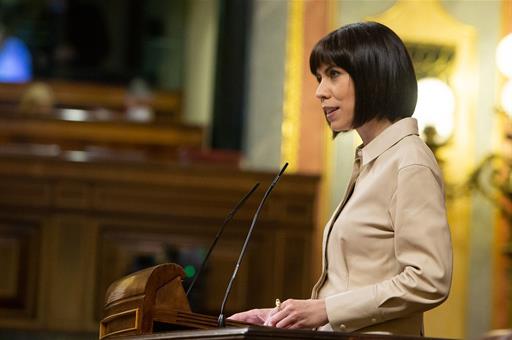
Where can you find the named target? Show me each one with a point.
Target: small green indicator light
(190, 271)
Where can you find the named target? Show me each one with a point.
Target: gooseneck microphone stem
(221, 320)
(219, 233)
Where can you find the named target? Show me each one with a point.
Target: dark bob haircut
(379, 65)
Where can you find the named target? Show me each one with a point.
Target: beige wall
(262, 142)
(200, 57)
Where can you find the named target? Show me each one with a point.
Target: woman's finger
(254, 316)
(278, 316)
(268, 319)
(287, 322)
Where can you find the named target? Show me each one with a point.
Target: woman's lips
(330, 113)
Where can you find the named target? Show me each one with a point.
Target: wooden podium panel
(131, 301)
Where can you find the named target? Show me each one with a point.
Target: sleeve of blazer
(423, 250)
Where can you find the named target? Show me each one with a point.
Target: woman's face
(337, 96)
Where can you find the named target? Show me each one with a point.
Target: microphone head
(279, 174)
(283, 169)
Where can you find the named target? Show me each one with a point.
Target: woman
(387, 254)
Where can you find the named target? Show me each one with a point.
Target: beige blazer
(388, 255)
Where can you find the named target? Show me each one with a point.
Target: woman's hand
(295, 314)
(254, 316)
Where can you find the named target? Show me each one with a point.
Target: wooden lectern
(145, 304)
(151, 300)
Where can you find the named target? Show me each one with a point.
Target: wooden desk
(152, 139)
(81, 95)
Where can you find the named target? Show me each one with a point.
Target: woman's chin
(340, 129)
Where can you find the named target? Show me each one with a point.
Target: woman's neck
(372, 129)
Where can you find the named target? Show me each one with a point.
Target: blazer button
(343, 327)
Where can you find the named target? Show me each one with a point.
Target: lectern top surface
(266, 333)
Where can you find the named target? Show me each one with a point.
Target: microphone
(228, 218)
(222, 320)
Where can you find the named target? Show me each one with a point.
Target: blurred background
(129, 129)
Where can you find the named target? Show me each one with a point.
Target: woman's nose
(321, 91)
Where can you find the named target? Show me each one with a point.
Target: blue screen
(15, 61)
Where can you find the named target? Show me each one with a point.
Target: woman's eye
(318, 79)
(334, 73)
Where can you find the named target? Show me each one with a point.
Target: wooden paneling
(19, 263)
(24, 191)
(135, 245)
(101, 220)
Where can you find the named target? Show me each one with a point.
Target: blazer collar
(387, 138)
